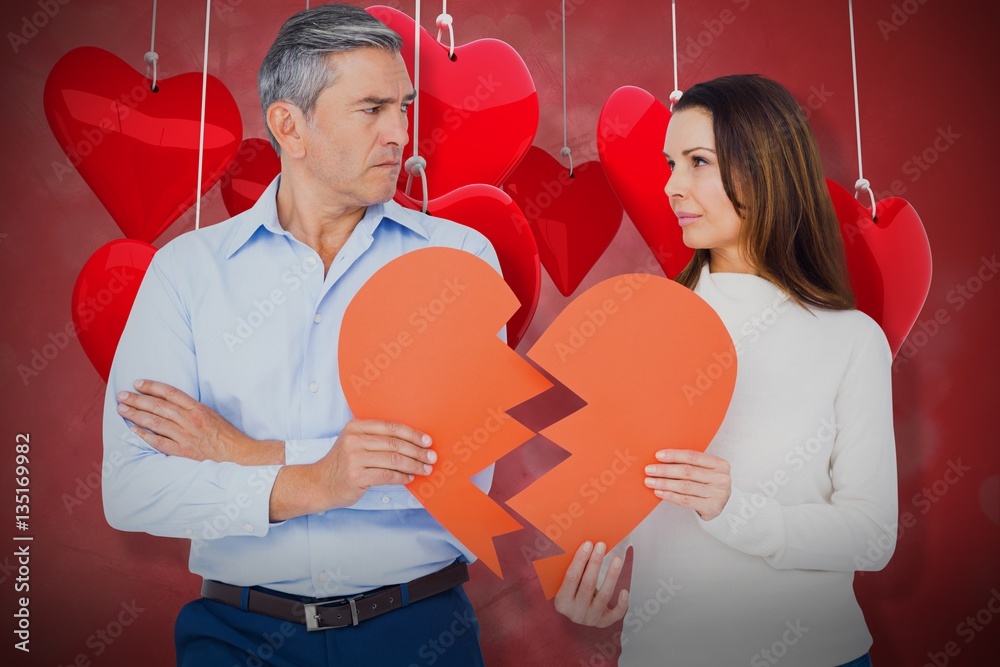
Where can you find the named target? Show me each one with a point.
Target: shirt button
(248, 527)
(323, 576)
(385, 499)
(311, 261)
(317, 319)
(187, 531)
(314, 387)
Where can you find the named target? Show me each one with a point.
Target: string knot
(568, 154)
(862, 185)
(415, 165)
(152, 58)
(444, 22)
(675, 97)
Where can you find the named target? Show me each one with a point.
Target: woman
(751, 557)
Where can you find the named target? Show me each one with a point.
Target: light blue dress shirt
(239, 316)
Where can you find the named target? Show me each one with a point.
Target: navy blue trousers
(441, 630)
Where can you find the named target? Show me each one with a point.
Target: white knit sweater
(809, 437)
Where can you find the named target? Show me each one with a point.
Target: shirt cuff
(302, 452)
(397, 497)
(247, 509)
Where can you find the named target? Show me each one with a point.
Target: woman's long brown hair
(772, 173)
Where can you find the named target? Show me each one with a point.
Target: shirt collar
(264, 213)
(412, 220)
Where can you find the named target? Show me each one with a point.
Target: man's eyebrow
(371, 100)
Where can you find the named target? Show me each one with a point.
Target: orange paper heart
(657, 368)
(419, 345)
(652, 360)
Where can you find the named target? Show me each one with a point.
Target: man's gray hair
(296, 68)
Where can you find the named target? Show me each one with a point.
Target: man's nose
(395, 131)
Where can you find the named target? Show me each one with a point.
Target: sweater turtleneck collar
(742, 300)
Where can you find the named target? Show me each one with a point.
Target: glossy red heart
(574, 218)
(248, 175)
(889, 260)
(478, 113)
(103, 296)
(136, 149)
(630, 134)
(494, 214)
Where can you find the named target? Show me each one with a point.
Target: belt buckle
(312, 618)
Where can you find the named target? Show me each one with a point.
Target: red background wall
(935, 73)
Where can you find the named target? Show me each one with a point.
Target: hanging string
(862, 185)
(151, 56)
(675, 96)
(565, 152)
(201, 128)
(416, 165)
(444, 21)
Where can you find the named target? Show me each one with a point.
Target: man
(304, 526)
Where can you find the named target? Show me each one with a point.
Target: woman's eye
(670, 164)
(699, 160)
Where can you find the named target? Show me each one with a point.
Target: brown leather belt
(325, 614)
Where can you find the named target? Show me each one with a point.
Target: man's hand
(691, 479)
(579, 598)
(174, 423)
(366, 453)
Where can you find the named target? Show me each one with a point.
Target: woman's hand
(691, 479)
(580, 600)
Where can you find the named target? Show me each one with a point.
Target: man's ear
(285, 120)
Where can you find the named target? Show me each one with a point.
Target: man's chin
(380, 195)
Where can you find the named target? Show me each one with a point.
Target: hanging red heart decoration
(494, 214)
(574, 218)
(248, 175)
(138, 149)
(103, 296)
(630, 133)
(478, 112)
(888, 259)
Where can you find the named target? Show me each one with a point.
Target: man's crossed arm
(366, 453)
